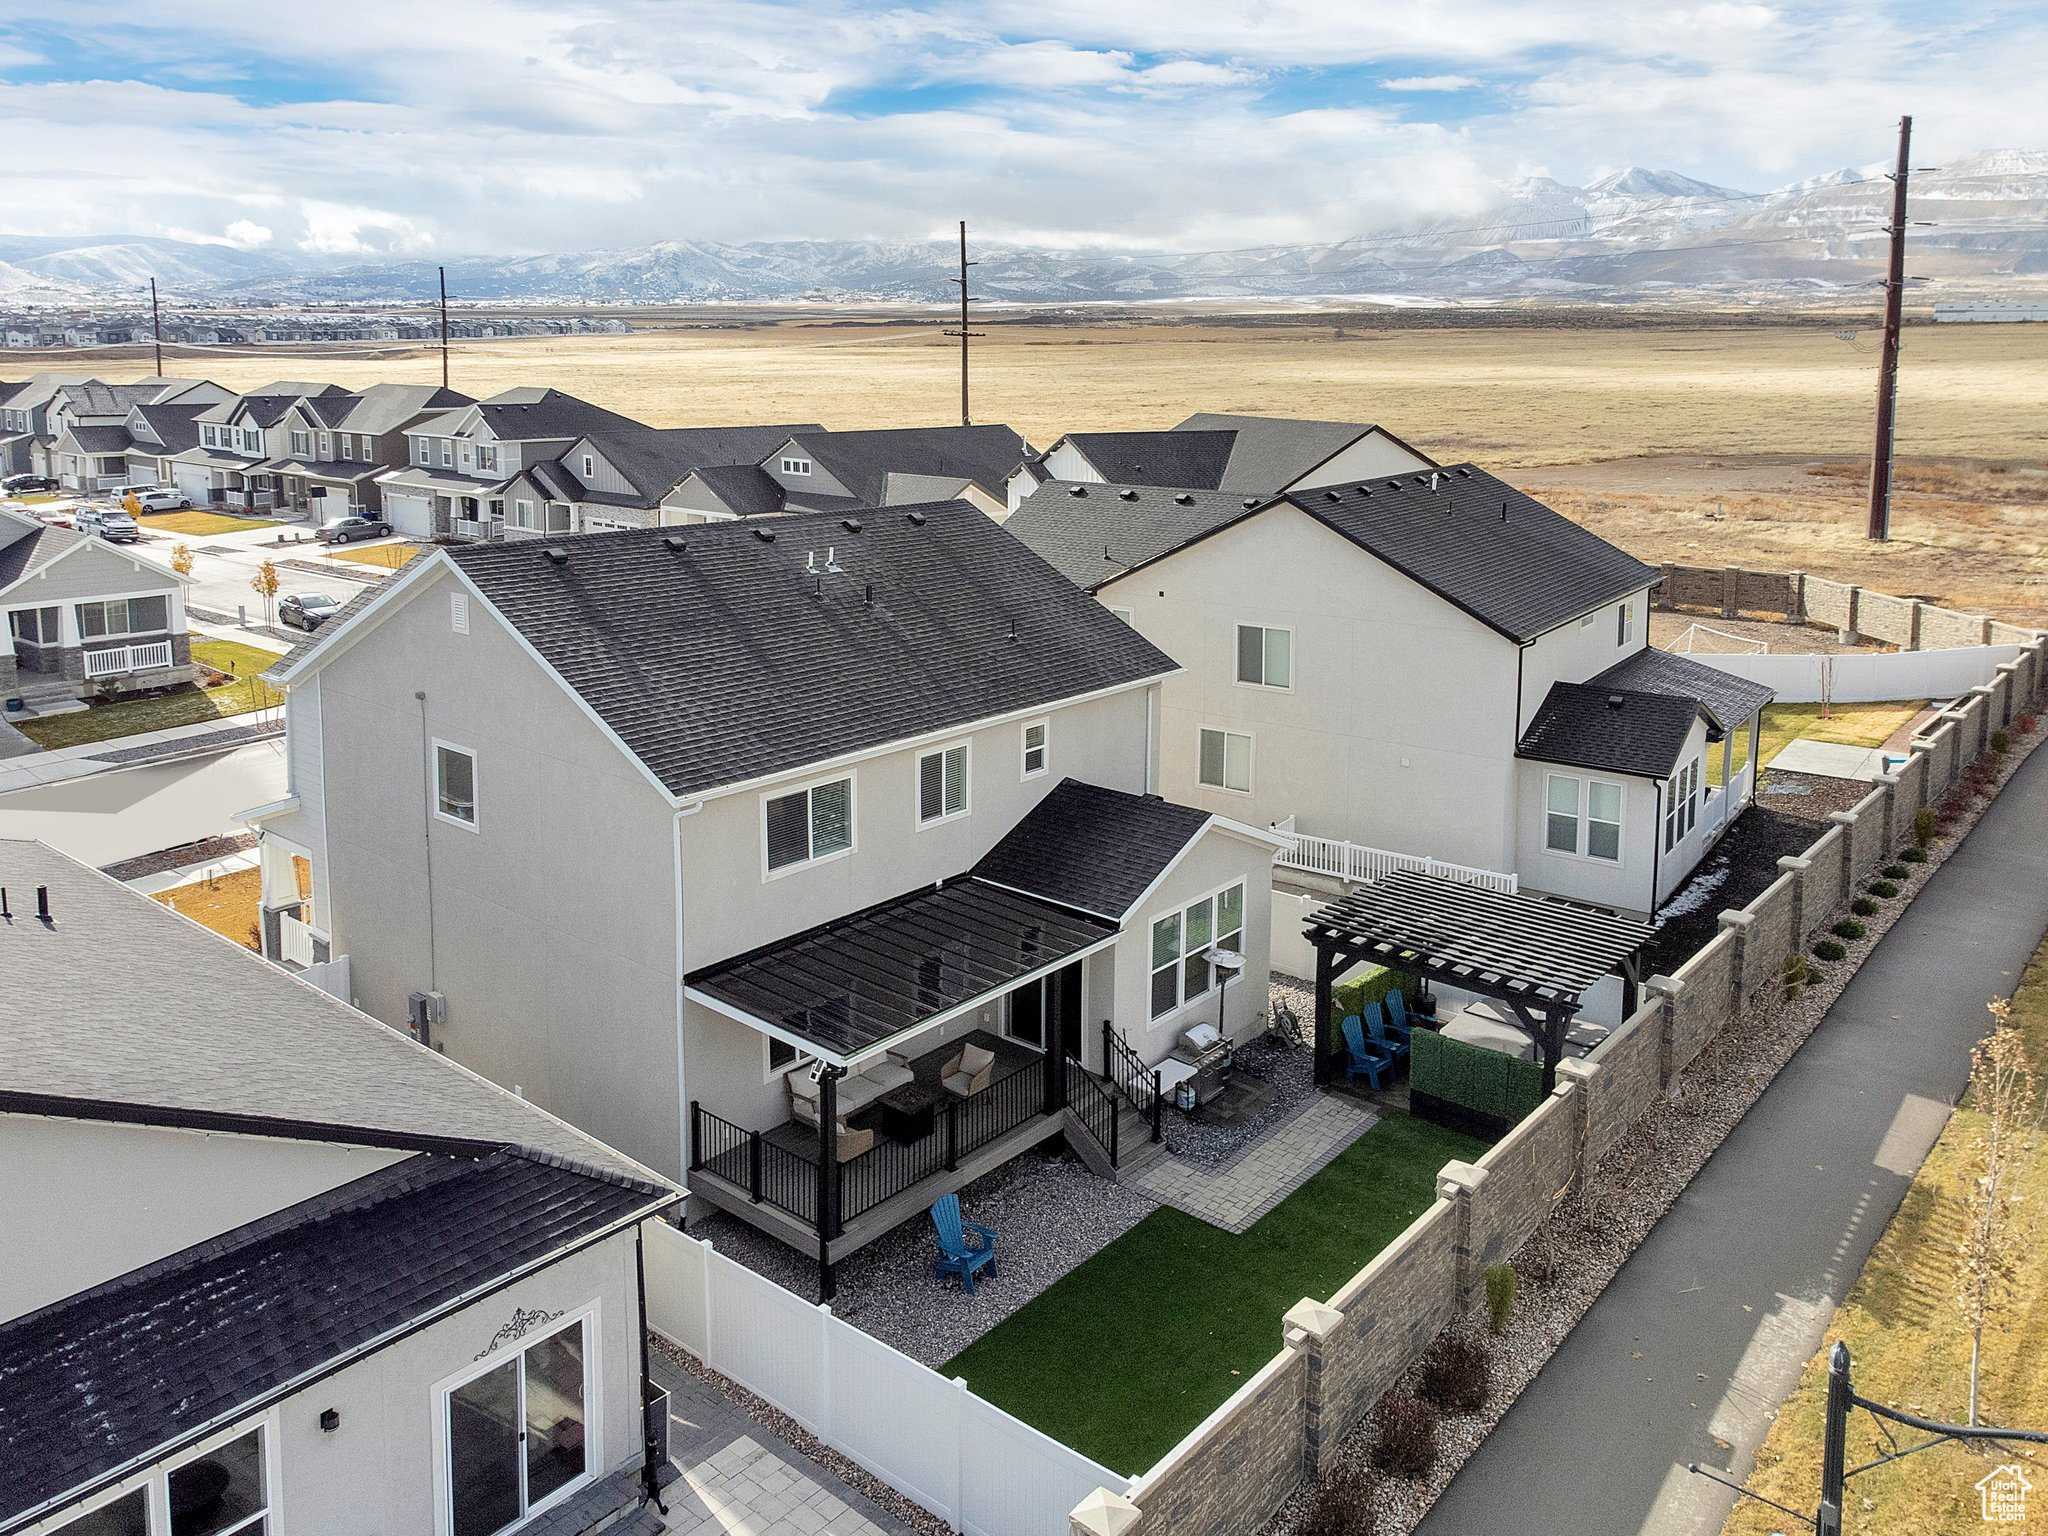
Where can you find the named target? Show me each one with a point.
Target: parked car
(155, 498)
(340, 530)
(307, 610)
(110, 523)
(16, 485)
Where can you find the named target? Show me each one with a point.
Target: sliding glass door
(516, 1433)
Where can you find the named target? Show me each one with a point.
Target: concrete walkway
(1691, 1349)
(1275, 1166)
(172, 744)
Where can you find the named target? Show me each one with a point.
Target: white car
(109, 523)
(155, 498)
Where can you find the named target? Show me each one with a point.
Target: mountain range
(1634, 236)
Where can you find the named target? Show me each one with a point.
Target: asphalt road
(121, 814)
(1707, 1327)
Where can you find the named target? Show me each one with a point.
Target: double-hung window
(1265, 657)
(302, 442)
(487, 457)
(455, 784)
(348, 445)
(1037, 757)
(327, 446)
(1226, 760)
(447, 453)
(1681, 804)
(807, 825)
(522, 513)
(517, 1431)
(1624, 622)
(589, 467)
(423, 450)
(1582, 817)
(1182, 943)
(942, 784)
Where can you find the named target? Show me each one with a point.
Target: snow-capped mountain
(1634, 234)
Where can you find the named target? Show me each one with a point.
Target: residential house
(83, 441)
(271, 1265)
(1213, 451)
(335, 447)
(1428, 665)
(84, 616)
(230, 466)
(728, 831)
(619, 476)
(25, 420)
(157, 434)
(815, 470)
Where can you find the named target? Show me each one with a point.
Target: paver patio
(1273, 1168)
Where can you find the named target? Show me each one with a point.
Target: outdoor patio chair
(957, 1255)
(1365, 1060)
(969, 1072)
(1397, 1015)
(1394, 1037)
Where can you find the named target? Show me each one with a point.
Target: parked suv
(110, 523)
(16, 485)
(307, 610)
(339, 530)
(155, 498)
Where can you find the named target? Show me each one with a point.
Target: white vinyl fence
(1859, 677)
(986, 1473)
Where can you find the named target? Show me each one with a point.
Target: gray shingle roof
(108, 439)
(1729, 698)
(1195, 460)
(655, 459)
(1071, 523)
(386, 407)
(745, 488)
(176, 425)
(863, 461)
(719, 662)
(39, 546)
(173, 1017)
(548, 413)
(1272, 452)
(1584, 725)
(1480, 544)
(1092, 848)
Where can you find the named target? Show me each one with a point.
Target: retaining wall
(1902, 621)
(1628, 1076)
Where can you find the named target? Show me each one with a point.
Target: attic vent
(458, 612)
(1365, 490)
(1464, 474)
(1182, 498)
(917, 519)
(1333, 496)
(1434, 477)
(1077, 490)
(850, 524)
(1127, 495)
(1393, 485)
(765, 535)
(676, 542)
(1250, 502)
(1614, 701)
(557, 554)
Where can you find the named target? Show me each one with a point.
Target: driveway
(127, 812)
(1690, 1350)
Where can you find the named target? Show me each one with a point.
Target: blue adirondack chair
(1394, 1037)
(1366, 1060)
(957, 1256)
(1397, 1015)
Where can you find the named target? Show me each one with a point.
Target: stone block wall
(1239, 1467)
(1766, 592)
(1701, 1005)
(1911, 793)
(1944, 629)
(1830, 604)
(1867, 841)
(1390, 1311)
(1628, 1077)
(1769, 938)
(1826, 880)
(1526, 1172)
(1881, 616)
(1691, 586)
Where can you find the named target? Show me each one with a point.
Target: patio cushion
(855, 1092)
(968, 1073)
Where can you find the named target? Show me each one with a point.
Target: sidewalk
(87, 758)
(1687, 1355)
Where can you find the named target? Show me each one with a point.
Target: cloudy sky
(489, 126)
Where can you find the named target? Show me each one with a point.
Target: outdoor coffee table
(908, 1113)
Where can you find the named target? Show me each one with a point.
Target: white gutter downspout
(682, 1084)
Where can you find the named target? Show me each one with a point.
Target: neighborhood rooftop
(1095, 849)
(1269, 452)
(1588, 725)
(1093, 532)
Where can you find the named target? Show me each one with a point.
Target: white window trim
(1625, 624)
(1180, 910)
(1026, 772)
(434, 785)
(917, 815)
(1251, 758)
(1264, 629)
(1583, 820)
(1124, 614)
(590, 1315)
(792, 465)
(770, 1073)
(783, 791)
(156, 1481)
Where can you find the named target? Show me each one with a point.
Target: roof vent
(1250, 502)
(1182, 498)
(556, 553)
(1503, 509)
(1365, 490)
(1077, 490)
(1464, 474)
(1333, 496)
(1614, 701)
(917, 519)
(1127, 495)
(1393, 485)
(850, 524)
(1433, 478)
(765, 535)
(676, 542)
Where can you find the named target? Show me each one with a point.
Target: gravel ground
(1569, 1260)
(1729, 878)
(765, 1413)
(1291, 1071)
(1813, 796)
(177, 858)
(1049, 1212)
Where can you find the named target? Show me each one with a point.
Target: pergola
(1537, 957)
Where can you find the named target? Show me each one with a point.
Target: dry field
(1638, 430)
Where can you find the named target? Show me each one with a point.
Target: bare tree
(1993, 1243)
(264, 584)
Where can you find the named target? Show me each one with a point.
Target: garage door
(412, 516)
(192, 481)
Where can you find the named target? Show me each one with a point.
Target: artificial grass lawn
(1909, 1348)
(391, 555)
(1123, 1356)
(201, 524)
(103, 722)
(1856, 725)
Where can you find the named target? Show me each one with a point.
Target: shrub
(1796, 974)
(1863, 906)
(1894, 871)
(1883, 888)
(2001, 743)
(1404, 1436)
(1923, 826)
(1913, 855)
(1457, 1373)
(1342, 1504)
(1500, 1296)
(1848, 928)
(1828, 949)
(2025, 722)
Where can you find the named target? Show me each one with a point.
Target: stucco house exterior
(83, 615)
(273, 1266)
(333, 448)
(1425, 664)
(720, 823)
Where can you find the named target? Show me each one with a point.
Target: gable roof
(176, 427)
(864, 461)
(654, 460)
(1731, 699)
(1193, 460)
(1272, 452)
(385, 408)
(516, 414)
(744, 488)
(97, 439)
(1071, 523)
(36, 548)
(1584, 725)
(718, 657)
(121, 1373)
(1094, 849)
(1500, 555)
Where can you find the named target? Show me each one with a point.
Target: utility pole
(156, 325)
(1888, 353)
(966, 415)
(444, 326)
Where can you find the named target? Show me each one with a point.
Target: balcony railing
(1362, 865)
(140, 656)
(295, 941)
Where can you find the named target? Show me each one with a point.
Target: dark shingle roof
(176, 425)
(1195, 460)
(1584, 725)
(1521, 573)
(727, 660)
(1272, 452)
(1071, 523)
(655, 459)
(1729, 698)
(545, 413)
(385, 408)
(112, 439)
(1092, 848)
(40, 545)
(745, 488)
(96, 1380)
(863, 461)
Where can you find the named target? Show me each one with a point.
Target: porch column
(1756, 769)
(828, 1173)
(1055, 1064)
(1727, 770)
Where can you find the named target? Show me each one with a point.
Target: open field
(1639, 431)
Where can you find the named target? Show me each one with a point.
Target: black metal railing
(1133, 1079)
(1096, 1106)
(1006, 1103)
(766, 1170)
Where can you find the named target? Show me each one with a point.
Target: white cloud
(1434, 83)
(247, 234)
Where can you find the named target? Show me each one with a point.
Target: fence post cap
(1842, 818)
(1741, 922)
(1456, 1178)
(1664, 986)
(1103, 1513)
(1576, 1072)
(1890, 780)
(1309, 1319)
(1795, 864)
(1921, 744)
